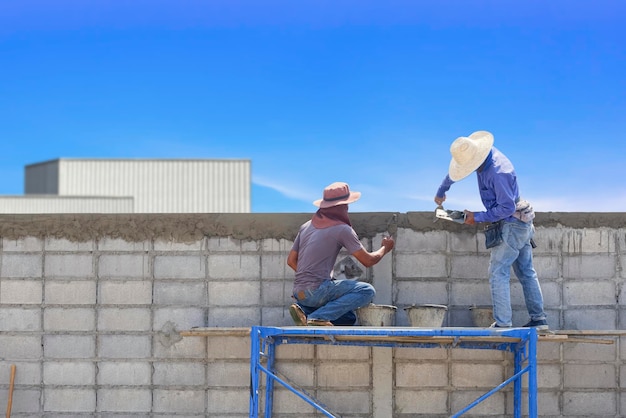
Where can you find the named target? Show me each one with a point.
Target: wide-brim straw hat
(468, 153)
(335, 194)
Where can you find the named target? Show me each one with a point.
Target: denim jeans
(514, 251)
(336, 300)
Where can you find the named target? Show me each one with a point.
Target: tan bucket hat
(335, 194)
(468, 153)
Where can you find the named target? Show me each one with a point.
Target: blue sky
(367, 92)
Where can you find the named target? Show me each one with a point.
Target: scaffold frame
(522, 342)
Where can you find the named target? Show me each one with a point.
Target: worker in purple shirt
(511, 218)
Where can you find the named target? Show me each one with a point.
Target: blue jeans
(514, 251)
(336, 300)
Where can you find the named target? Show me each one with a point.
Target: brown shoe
(319, 323)
(297, 314)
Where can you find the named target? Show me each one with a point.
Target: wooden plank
(216, 332)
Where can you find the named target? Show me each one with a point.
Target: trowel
(457, 216)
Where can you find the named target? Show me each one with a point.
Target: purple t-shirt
(318, 250)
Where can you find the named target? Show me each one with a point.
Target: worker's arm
(292, 260)
(369, 259)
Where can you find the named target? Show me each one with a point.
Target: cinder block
(125, 293)
(124, 266)
(127, 373)
(343, 374)
(595, 266)
(29, 372)
(470, 292)
(411, 354)
(69, 319)
(408, 240)
(228, 401)
(124, 319)
(237, 374)
(420, 265)
(477, 355)
(20, 347)
(591, 352)
(234, 317)
(239, 266)
(25, 401)
(276, 292)
(21, 292)
(476, 375)
(302, 374)
(171, 245)
(587, 404)
(69, 400)
(276, 245)
(304, 352)
(421, 375)
(551, 293)
(234, 293)
(589, 376)
(597, 292)
(69, 346)
(71, 265)
(118, 244)
(224, 348)
(20, 319)
(469, 267)
(180, 401)
(278, 317)
(26, 244)
(180, 294)
(492, 406)
(590, 318)
(588, 240)
(124, 346)
(548, 240)
(274, 266)
(421, 402)
(79, 373)
(182, 318)
(228, 244)
(286, 402)
(180, 266)
(180, 374)
(548, 404)
(70, 292)
(19, 265)
(410, 292)
(353, 402)
(547, 266)
(185, 348)
(467, 242)
(64, 244)
(124, 400)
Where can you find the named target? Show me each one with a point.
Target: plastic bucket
(376, 315)
(430, 316)
(482, 316)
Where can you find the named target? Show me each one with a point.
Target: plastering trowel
(457, 216)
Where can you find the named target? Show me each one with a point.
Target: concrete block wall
(91, 309)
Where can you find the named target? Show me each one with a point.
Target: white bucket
(482, 316)
(377, 315)
(428, 316)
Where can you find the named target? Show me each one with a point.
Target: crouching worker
(321, 299)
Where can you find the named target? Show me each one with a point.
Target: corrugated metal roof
(157, 186)
(40, 204)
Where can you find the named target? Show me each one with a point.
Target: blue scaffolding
(522, 342)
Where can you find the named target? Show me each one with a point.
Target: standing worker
(511, 231)
(322, 300)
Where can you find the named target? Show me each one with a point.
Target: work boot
(298, 315)
(319, 323)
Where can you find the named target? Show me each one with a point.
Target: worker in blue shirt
(511, 224)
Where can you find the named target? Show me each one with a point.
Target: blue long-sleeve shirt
(497, 184)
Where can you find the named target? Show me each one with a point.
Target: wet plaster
(252, 226)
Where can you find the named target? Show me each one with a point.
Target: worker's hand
(440, 200)
(388, 243)
(469, 217)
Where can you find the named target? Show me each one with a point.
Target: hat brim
(484, 141)
(321, 203)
